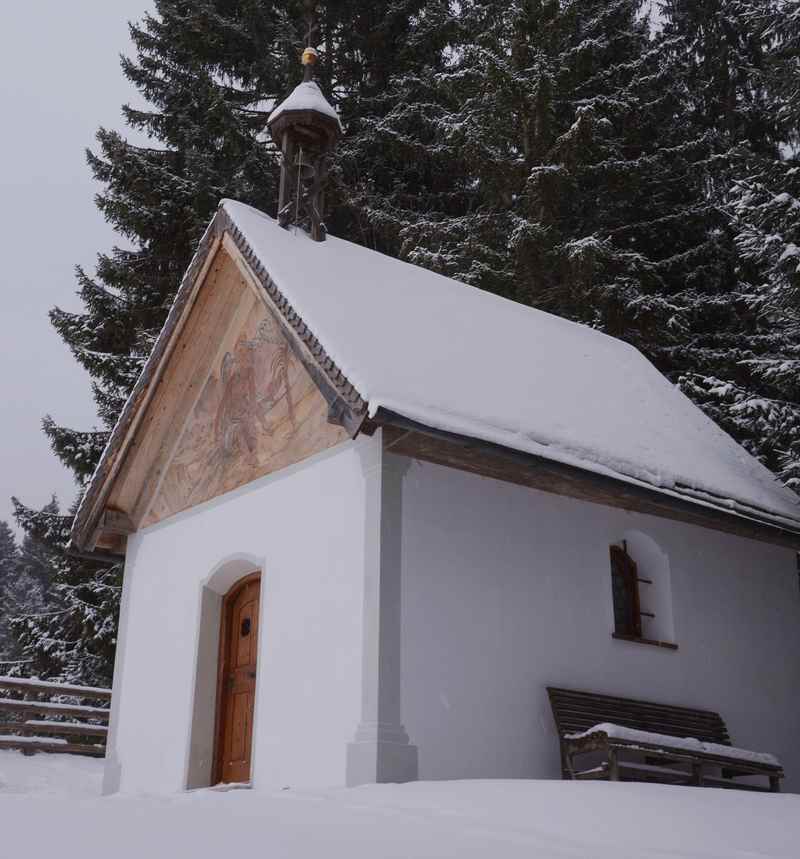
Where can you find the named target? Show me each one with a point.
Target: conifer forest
(633, 166)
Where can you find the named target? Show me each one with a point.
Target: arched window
(625, 590)
(641, 591)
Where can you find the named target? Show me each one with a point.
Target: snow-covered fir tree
(204, 122)
(25, 579)
(448, 134)
(67, 631)
(551, 169)
(384, 165)
(765, 207)
(208, 73)
(561, 154)
(747, 379)
(615, 228)
(9, 564)
(725, 57)
(767, 202)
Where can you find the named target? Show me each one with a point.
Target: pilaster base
(381, 754)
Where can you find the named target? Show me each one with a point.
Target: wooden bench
(644, 741)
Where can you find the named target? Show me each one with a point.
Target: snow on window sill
(669, 645)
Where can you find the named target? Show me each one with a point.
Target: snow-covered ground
(49, 807)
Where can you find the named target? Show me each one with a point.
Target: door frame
(224, 629)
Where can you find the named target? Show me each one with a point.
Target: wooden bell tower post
(305, 127)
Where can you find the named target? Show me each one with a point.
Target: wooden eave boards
(409, 438)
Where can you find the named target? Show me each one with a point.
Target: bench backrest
(575, 712)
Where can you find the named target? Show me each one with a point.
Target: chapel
(369, 515)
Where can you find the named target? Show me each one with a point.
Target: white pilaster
(381, 750)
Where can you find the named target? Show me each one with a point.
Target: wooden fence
(32, 722)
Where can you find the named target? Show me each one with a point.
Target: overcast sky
(59, 80)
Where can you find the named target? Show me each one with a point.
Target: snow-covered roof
(400, 343)
(305, 96)
(458, 359)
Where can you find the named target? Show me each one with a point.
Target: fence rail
(69, 727)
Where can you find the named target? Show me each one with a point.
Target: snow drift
(47, 810)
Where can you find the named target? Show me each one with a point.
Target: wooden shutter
(625, 589)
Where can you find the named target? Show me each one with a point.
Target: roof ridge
(552, 318)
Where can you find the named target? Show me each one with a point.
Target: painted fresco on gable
(258, 412)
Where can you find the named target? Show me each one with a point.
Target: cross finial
(309, 58)
(311, 21)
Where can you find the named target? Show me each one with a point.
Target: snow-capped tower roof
(305, 127)
(306, 97)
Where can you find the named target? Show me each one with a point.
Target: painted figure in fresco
(277, 386)
(237, 413)
(243, 410)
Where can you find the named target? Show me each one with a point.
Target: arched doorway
(236, 683)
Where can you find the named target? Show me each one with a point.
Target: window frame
(625, 581)
(625, 570)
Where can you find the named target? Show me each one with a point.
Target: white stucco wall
(506, 590)
(488, 592)
(305, 527)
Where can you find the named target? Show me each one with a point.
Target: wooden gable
(258, 411)
(236, 400)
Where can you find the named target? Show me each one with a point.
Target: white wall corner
(112, 774)
(112, 769)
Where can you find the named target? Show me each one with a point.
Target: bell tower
(305, 127)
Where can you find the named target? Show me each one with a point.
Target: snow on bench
(690, 744)
(624, 730)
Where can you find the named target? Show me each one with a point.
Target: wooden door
(237, 681)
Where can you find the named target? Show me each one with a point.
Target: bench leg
(774, 784)
(613, 765)
(697, 775)
(565, 770)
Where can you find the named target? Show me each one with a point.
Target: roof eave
(349, 408)
(538, 472)
(84, 526)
